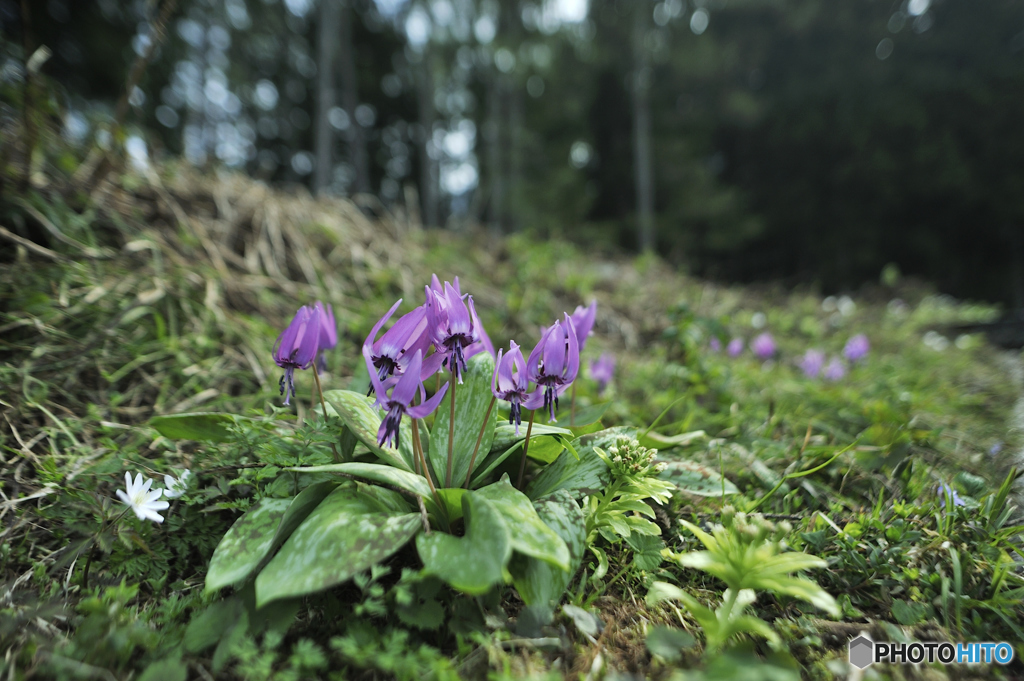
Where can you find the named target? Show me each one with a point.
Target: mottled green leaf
(540, 583)
(582, 476)
(376, 472)
(694, 478)
(653, 440)
(545, 449)
(583, 416)
(363, 420)
(347, 533)
(209, 626)
(505, 434)
(475, 562)
(529, 534)
(200, 426)
(472, 399)
(247, 542)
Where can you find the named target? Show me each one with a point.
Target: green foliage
(746, 555)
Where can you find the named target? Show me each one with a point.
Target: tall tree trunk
(350, 101)
(642, 161)
(495, 157)
(429, 171)
(330, 17)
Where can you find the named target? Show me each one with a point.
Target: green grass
(183, 315)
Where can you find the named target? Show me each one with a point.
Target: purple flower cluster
(444, 332)
(813, 362)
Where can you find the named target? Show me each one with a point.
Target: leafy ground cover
(879, 500)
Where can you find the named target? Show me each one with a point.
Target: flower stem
(417, 448)
(451, 435)
(479, 439)
(320, 390)
(572, 407)
(526, 448)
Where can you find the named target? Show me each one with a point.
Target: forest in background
(796, 140)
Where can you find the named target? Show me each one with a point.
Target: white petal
(150, 515)
(169, 481)
(124, 497)
(128, 481)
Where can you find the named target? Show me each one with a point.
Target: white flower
(141, 500)
(176, 486)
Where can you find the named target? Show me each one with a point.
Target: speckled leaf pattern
(376, 472)
(472, 398)
(363, 420)
(346, 534)
(475, 562)
(540, 583)
(245, 544)
(694, 478)
(505, 434)
(528, 533)
(581, 476)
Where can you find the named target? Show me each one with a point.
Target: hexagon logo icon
(862, 652)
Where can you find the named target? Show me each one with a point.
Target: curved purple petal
(533, 363)
(554, 350)
(573, 363)
(534, 400)
(421, 410)
(307, 341)
(459, 321)
(478, 329)
(286, 343)
(405, 390)
(395, 340)
(583, 319)
(369, 342)
(328, 327)
(378, 386)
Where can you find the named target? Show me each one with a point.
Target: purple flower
(391, 352)
(450, 325)
(400, 400)
(483, 340)
(602, 371)
(835, 369)
(735, 347)
(944, 491)
(812, 362)
(297, 346)
(995, 449)
(857, 348)
(583, 319)
(763, 346)
(512, 384)
(328, 333)
(714, 344)
(554, 363)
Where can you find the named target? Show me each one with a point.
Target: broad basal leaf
(200, 426)
(540, 583)
(376, 472)
(245, 544)
(258, 533)
(583, 416)
(475, 562)
(694, 478)
(505, 434)
(472, 397)
(346, 534)
(363, 421)
(529, 534)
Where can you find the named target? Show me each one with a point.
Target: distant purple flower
(812, 362)
(714, 344)
(400, 400)
(512, 384)
(583, 320)
(297, 346)
(763, 346)
(735, 347)
(328, 333)
(450, 325)
(602, 371)
(857, 348)
(944, 491)
(995, 449)
(554, 363)
(835, 369)
(392, 352)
